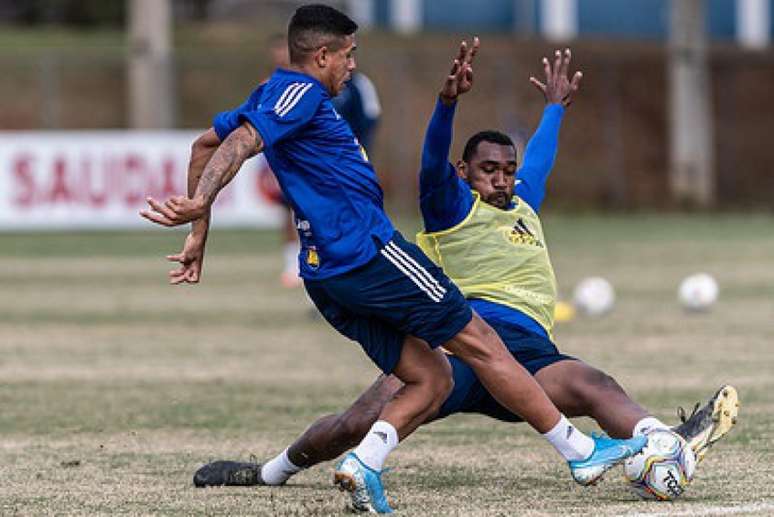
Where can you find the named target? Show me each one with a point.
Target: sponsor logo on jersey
(522, 234)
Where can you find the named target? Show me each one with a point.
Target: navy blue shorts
(532, 351)
(400, 292)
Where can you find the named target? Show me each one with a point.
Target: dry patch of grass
(114, 387)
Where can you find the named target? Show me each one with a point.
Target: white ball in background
(594, 296)
(698, 292)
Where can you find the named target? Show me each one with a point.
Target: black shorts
(533, 351)
(399, 292)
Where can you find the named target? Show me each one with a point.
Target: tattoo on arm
(226, 161)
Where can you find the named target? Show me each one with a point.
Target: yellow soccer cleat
(709, 424)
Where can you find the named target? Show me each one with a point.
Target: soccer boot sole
(725, 410)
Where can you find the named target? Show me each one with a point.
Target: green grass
(115, 387)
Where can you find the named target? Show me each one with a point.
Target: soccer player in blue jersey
(367, 281)
(488, 166)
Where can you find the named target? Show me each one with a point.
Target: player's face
(341, 64)
(492, 173)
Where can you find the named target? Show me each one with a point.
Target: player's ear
(321, 56)
(462, 170)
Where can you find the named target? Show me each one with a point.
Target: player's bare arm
(218, 163)
(558, 88)
(240, 145)
(460, 78)
(201, 152)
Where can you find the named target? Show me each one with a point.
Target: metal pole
(406, 16)
(151, 100)
(559, 19)
(753, 23)
(692, 161)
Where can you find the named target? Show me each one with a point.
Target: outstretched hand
(460, 78)
(558, 88)
(191, 259)
(174, 211)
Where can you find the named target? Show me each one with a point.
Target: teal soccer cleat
(607, 454)
(363, 483)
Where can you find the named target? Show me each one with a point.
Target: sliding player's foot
(709, 424)
(229, 473)
(607, 454)
(363, 483)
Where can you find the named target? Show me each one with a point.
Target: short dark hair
(315, 25)
(492, 136)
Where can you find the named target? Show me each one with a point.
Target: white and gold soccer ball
(664, 468)
(594, 296)
(698, 292)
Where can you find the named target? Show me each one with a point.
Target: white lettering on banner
(93, 179)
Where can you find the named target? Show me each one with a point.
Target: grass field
(115, 387)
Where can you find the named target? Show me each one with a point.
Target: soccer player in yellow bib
(482, 226)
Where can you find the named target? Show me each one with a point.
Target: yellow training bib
(499, 256)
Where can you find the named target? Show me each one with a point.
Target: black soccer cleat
(228, 473)
(709, 424)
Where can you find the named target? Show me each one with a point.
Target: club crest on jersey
(520, 233)
(312, 258)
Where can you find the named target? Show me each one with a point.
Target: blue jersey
(322, 170)
(445, 199)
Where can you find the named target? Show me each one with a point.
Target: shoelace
(681, 412)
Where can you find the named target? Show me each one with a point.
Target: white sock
(647, 424)
(278, 470)
(377, 444)
(569, 442)
(291, 257)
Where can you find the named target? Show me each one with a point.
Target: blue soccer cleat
(607, 454)
(363, 483)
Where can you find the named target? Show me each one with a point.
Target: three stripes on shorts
(412, 269)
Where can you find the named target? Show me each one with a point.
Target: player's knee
(594, 387)
(601, 380)
(440, 394)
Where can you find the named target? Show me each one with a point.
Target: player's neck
(305, 68)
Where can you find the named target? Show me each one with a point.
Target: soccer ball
(663, 469)
(594, 296)
(698, 292)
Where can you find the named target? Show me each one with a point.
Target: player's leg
(332, 435)
(579, 389)
(327, 438)
(426, 376)
(517, 391)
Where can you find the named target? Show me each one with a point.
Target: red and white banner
(100, 179)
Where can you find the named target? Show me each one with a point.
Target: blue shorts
(532, 351)
(399, 292)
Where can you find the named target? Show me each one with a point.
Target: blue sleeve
(226, 122)
(281, 115)
(539, 158)
(444, 199)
